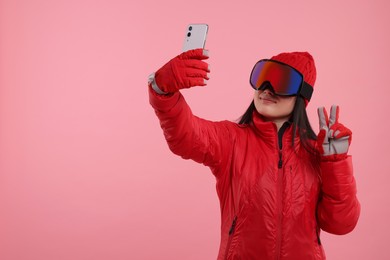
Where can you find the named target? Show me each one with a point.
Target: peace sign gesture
(334, 138)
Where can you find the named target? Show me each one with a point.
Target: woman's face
(273, 107)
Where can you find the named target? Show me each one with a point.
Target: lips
(267, 99)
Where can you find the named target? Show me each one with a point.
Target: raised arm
(339, 209)
(187, 135)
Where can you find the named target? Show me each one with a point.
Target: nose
(266, 86)
(268, 91)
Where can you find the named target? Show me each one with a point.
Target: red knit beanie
(301, 61)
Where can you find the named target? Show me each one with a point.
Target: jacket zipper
(280, 189)
(231, 232)
(280, 205)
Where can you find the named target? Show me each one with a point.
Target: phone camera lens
(188, 34)
(190, 28)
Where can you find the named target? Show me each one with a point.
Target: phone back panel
(195, 36)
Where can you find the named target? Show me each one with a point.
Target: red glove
(334, 138)
(184, 71)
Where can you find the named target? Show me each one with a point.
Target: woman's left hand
(334, 138)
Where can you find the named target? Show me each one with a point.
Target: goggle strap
(306, 90)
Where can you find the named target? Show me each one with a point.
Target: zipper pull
(280, 163)
(233, 226)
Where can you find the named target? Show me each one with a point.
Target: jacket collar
(268, 131)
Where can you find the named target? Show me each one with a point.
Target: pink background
(85, 172)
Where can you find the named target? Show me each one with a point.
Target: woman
(278, 183)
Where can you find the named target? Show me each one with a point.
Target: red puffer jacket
(273, 201)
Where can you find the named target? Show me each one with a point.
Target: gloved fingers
(192, 82)
(199, 54)
(197, 64)
(339, 131)
(197, 73)
(334, 115)
(322, 136)
(340, 146)
(322, 139)
(344, 138)
(323, 117)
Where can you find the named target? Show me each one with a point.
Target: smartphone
(195, 37)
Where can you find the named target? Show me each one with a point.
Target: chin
(265, 113)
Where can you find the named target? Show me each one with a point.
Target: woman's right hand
(184, 71)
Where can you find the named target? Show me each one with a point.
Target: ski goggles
(284, 79)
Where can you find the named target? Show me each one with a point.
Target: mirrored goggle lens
(284, 79)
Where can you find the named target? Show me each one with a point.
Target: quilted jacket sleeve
(339, 209)
(189, 136)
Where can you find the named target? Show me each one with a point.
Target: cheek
(287, 106)
(256, 98)
(290, 106)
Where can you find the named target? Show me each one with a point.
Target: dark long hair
(299, 120)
